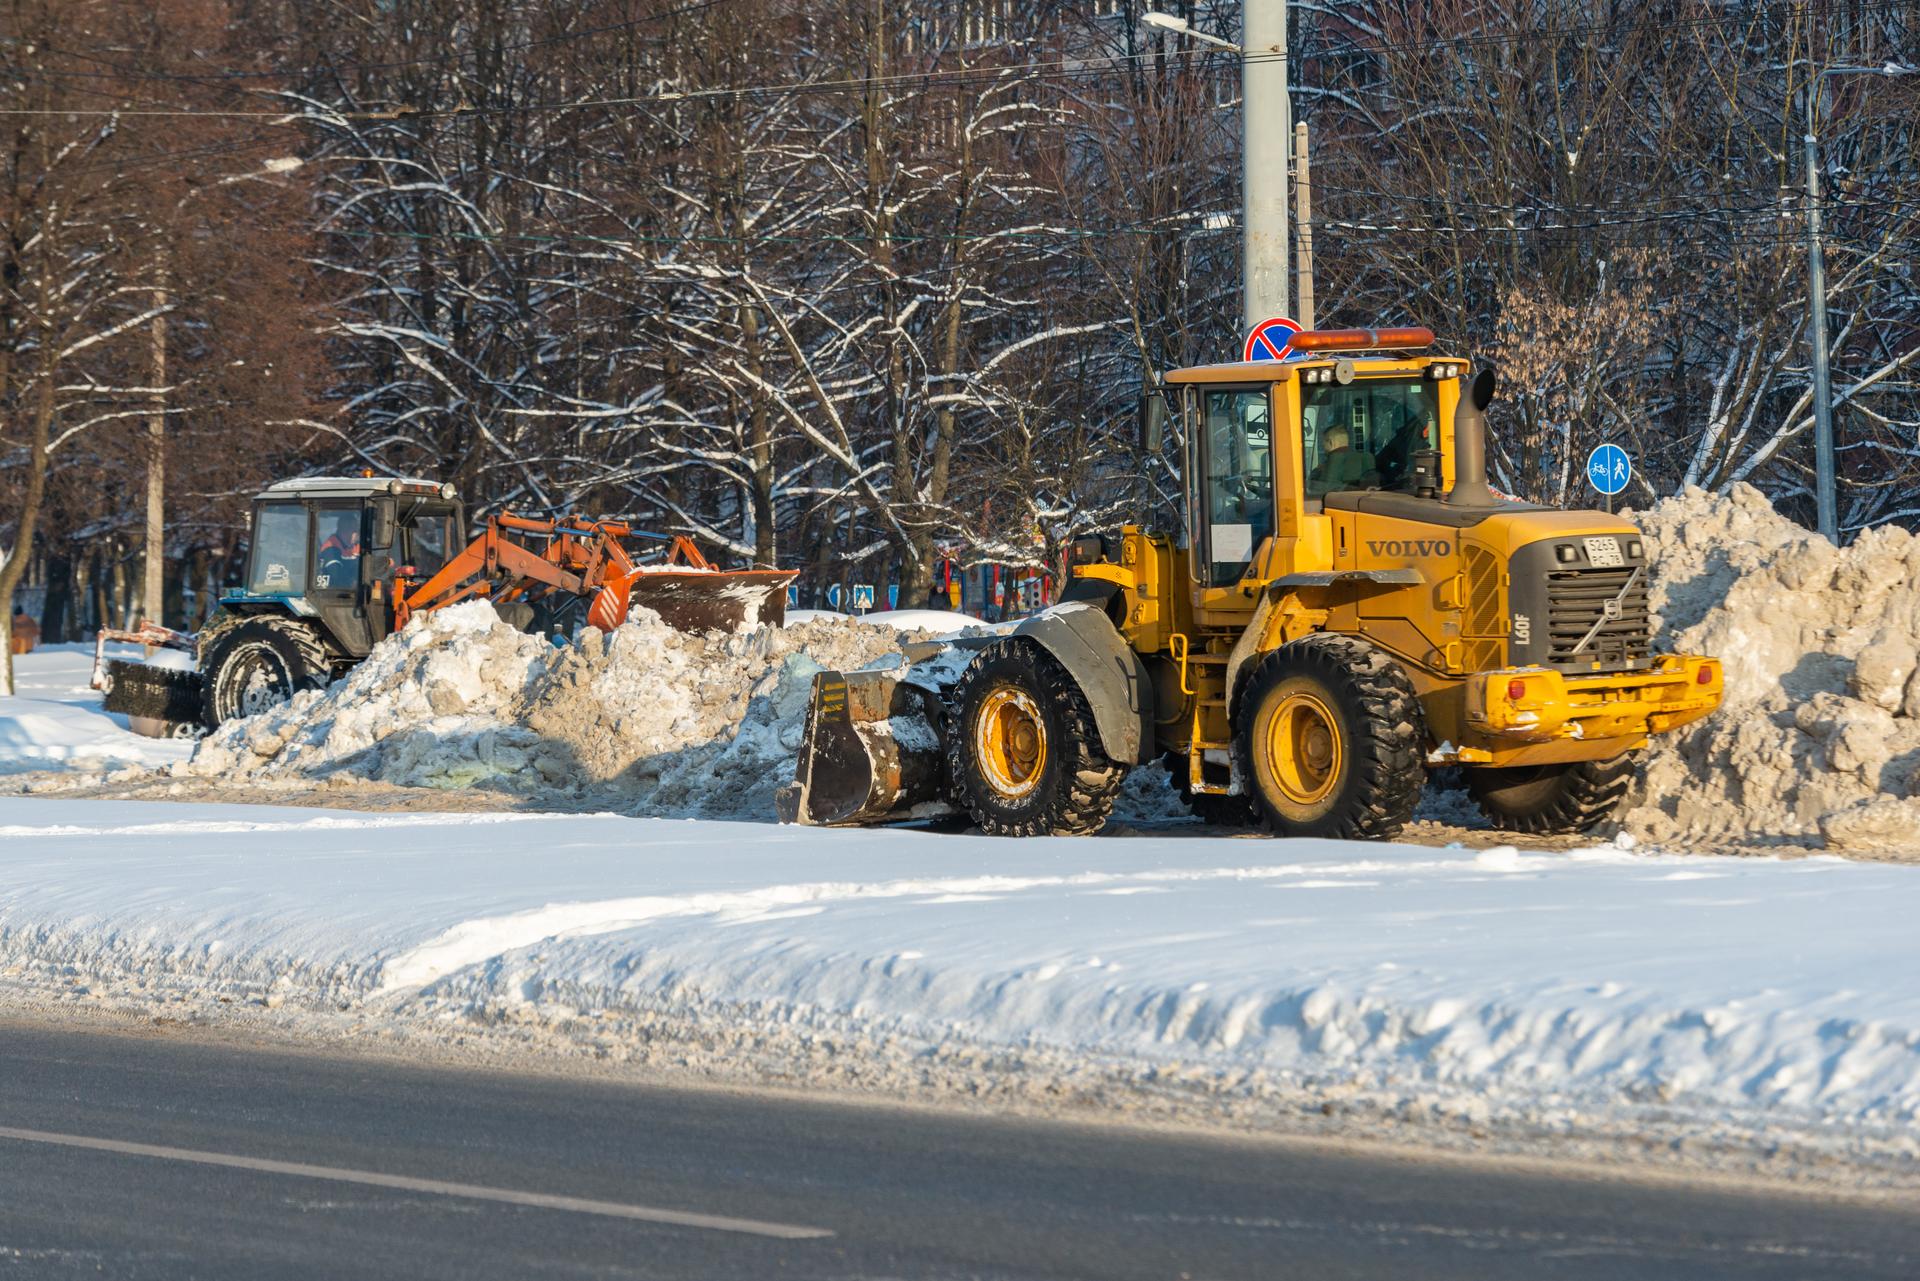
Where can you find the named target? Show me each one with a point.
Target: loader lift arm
(517, 557)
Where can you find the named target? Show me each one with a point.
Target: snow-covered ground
(1605, 991)
(54, 721)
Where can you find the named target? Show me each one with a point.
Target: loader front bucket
(873, 751)
(701, 600)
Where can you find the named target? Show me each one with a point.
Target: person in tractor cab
(339, 559)
(1342, 467)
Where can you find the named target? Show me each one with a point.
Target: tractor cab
(327, 550)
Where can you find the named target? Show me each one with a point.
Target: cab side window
(430, 544)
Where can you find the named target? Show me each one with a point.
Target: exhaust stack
(1470, 446)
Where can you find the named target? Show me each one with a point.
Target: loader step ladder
(1198, 784)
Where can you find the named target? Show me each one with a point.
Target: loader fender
(1081, 637)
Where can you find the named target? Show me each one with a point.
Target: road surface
(164, 1156)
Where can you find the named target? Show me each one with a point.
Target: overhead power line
(1064, 68)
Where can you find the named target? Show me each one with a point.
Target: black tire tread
(1390, 761)
(1082, 807)
(1585, 795)
(305, 641)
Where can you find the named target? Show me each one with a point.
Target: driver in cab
(340, 553)
(1342, 466)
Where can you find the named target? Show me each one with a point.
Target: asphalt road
(167, 1157)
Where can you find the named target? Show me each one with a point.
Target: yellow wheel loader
(1348, 606)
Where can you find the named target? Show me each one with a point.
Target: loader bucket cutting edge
(871, 752)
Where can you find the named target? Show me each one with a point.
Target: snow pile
(1739, 999)
(53, 720)
(647, 718)
(1820, 734)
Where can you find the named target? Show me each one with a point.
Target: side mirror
(383, 523)
(1153, 420)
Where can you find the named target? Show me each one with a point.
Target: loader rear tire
(1550, 800)
(1023, 750)
(256, 664)
(1328, 740)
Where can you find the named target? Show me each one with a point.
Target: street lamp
(1826, 503)
(1267, 135)
(1181, 27)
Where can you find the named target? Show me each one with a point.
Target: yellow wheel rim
(1304, 751)
(1010, 742)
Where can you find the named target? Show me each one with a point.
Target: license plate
(1604, 553)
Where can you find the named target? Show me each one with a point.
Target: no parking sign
(1269, 339)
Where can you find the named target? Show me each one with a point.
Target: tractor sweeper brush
(158, 700)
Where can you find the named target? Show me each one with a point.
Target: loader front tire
(256, 664)
(1551, 800)
(1023, 750)
(1328, 740)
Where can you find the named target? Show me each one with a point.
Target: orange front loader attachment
(590, 558)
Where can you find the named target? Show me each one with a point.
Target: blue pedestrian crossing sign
(1609, 469)
(793, 596)
(863, 595)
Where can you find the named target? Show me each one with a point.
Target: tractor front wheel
(1328, 740)
(1549, 800)
(1023, 750)
(257, 664)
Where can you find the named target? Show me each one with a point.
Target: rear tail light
(1516, 690)
(1705, 677)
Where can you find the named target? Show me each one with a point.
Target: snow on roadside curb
(1590, 991)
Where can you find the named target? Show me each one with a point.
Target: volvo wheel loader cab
(1348, 605)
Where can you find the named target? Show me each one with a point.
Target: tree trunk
(42, 419)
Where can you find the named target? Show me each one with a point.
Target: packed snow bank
(646, 718)
(1820, 735)
(1587, 992)
(54, 720)
(922, 620)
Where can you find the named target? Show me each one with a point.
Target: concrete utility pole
(1266, 123)
(1303, 226)
(1825, 484)
(153, 594)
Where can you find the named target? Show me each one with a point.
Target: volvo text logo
(1410, 547)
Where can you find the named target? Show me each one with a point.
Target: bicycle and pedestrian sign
(1609, 469)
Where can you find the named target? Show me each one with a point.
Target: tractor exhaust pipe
(1470, 445)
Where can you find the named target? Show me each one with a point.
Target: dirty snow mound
(1820, 734)
(648, 718)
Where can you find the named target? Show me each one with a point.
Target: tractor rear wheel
(1328, 740)
(1548, 800)
(256, 664)
(1023, 750)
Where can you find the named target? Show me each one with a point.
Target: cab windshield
(1364, 435)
